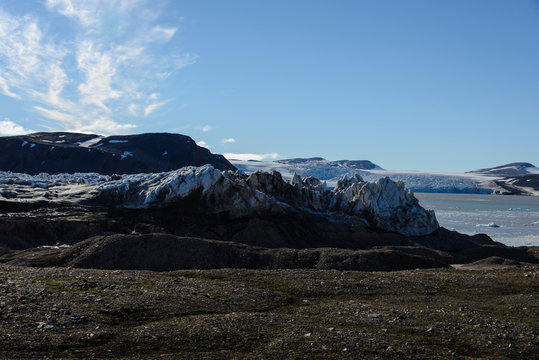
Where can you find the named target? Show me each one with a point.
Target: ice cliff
(383, 204)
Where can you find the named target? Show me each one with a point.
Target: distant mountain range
(515, 178)
(64, 152)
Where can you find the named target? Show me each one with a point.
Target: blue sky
(426, 85)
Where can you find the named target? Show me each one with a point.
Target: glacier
(474, 182)
(383, 204)
(414, 180)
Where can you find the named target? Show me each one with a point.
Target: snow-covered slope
(478, 182)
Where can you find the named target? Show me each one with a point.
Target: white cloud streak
(228, 141)
(5, 89)
(99, 77)
(247, 156)
(61, 117)
(154, 106)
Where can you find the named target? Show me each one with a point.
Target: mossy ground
(281, 314)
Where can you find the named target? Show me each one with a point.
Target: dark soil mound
(163, 252)
(494, 262)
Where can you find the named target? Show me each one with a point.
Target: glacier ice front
(384, 204)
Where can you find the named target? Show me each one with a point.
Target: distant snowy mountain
(513, 169)
(64, 152)
(514, 178)
(478, 182)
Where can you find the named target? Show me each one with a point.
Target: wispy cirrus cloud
(99, 76)
(5, 89)
(228, 141)
(153, 106)
(248, 156)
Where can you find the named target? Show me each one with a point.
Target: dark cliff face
(62, 152)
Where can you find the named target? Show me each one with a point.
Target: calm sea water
(512, 220)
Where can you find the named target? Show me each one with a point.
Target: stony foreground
(279, 314)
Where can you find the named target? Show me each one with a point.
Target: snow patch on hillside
(91, 142)
(126, 154)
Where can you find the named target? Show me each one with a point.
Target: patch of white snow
(126, 154)
(90, 142)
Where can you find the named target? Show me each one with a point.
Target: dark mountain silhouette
(63, 152)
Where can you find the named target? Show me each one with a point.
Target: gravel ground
(279, 314)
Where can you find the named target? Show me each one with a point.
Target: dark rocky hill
(63, 152)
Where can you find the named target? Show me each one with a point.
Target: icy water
(510, 219)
